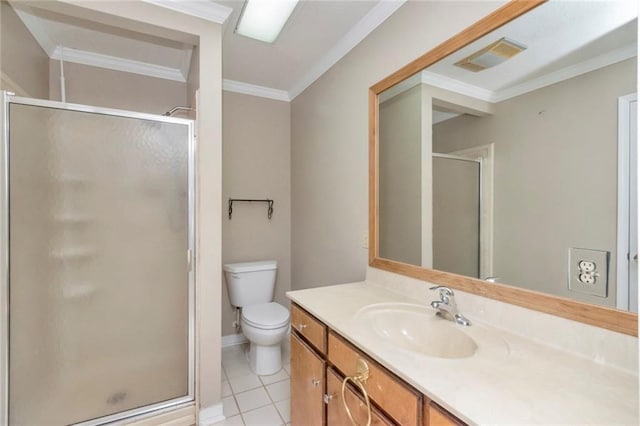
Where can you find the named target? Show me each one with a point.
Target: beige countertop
(509, 380)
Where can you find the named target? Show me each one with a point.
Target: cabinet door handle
(302, 326)
(315, 382)
(327, 398)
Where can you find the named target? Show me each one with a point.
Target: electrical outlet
(365, 240)
(586, 266)
(588, 271)
(587, 278)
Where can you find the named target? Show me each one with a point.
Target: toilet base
(265, 360)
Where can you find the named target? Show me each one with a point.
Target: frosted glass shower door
(100, 286)
(456, 215)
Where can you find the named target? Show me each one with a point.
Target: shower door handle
(190, 259)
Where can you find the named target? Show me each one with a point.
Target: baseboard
(233, 339)
(210, 415)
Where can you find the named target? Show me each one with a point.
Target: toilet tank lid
(264, 265)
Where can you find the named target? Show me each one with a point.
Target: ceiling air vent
(492, 55)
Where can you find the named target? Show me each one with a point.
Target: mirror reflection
(514, 159)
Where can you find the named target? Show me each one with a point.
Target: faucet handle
(444, 291)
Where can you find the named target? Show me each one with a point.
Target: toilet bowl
(265, 326)
(263, 322)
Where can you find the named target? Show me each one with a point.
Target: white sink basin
(417, 329)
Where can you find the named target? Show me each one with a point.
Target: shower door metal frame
(10, 98)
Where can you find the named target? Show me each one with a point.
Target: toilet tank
(251, 283)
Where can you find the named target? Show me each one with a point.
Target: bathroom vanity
(321, 360)
(503, 378)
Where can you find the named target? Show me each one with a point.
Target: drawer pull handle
(302, 326)
(315, 382)
(362, 374)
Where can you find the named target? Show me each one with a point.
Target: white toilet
(263, 322)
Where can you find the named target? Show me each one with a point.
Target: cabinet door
(336, 413)
(440, 417)
(307, 385)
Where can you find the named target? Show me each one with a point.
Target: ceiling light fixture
(492, 55)
(263, 19)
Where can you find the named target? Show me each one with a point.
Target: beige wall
(400, 177)
(256, 150)
(116, 89)
(329, 163)
(555, 175)
(24, 65)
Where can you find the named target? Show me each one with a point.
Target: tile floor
(249, 399)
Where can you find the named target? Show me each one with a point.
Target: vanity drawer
(399, 401)
(310, 328)
(336, 413)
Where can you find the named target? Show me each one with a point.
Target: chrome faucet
(447, 307)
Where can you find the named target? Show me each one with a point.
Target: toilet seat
(266, 316)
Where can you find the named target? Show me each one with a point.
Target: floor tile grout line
(242, 418)
(275, 406)
(263, 385)
(237, 405)
(273, 403)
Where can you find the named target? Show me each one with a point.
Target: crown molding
(255, 90)
(609, 58)
(203, 9)
(36, 29)
(99, 60)
(401, 87)
(363, 28)
(453, 85)
(118, 64)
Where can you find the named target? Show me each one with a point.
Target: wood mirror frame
(608, 318)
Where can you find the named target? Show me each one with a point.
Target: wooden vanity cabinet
(321, 359)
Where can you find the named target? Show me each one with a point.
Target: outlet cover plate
(601, 273)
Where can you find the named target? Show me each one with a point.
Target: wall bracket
(269, 207)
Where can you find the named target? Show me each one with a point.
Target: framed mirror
(504, 162)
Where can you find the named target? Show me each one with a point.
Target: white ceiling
(316, 36)
(313, 29)
(563, 39)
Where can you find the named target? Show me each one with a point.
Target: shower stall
(96, 263)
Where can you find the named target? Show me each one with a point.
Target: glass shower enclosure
(97, 278)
